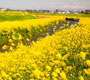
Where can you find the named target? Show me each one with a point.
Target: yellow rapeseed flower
(87, 62)
(81, 78)
(63, 75)
(83, 55)
(20, 37)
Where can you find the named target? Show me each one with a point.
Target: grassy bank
(13, 15)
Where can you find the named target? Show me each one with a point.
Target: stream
(50, 31)
(44, 34)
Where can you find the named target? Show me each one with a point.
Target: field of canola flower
(63, 56)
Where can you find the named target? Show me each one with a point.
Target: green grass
(13, 15)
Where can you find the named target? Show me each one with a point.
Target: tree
(86, 11)
(8, 9)
(82, 11)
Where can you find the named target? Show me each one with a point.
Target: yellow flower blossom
(5, 47)
(81, 78)
(12, 44)
(87, 71)
(11, 48)
(48, 68)
(87, 62)
(58, 56)
(27, 39)
(65, 56)
(4, 75)
(54, 74)
(83, 55)
(20, 37)
(63, 75)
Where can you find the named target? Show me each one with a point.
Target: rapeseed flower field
(63, 56)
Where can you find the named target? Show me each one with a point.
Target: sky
(45, 4)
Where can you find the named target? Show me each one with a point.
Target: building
(2, 9)
(62, 11)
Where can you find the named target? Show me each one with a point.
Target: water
(50, 31)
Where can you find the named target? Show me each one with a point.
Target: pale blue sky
(45, 4)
